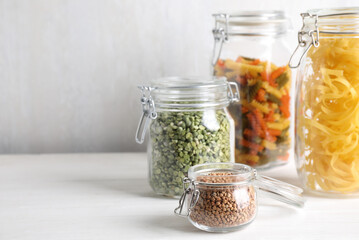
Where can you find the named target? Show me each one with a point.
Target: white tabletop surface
(106, 196)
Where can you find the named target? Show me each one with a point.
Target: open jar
(188, 124)
(250, 49)
(222, 197)
(327, 103)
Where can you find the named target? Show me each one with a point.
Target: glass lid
(336, 20)
(253, 23)
(192, 93)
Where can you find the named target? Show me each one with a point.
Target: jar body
(327, 127)
(222, 197)
(224, 208)
(262, 116)
(181, 139)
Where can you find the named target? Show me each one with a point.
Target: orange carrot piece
(260, 119)
(274, 132)
(239, 59)
(284, 108)
(269, 117)
(254, 124)
(251, 145)
(265, 133)
(285, 111)
(241, 80)
(269, 137)
(261, 95)
(220, 63)
(276, 73)
(248, 76)
(245, 110)
(249, 133)
(272, 82)
(264, 76)
(255, 62)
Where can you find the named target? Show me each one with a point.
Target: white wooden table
(106, 196)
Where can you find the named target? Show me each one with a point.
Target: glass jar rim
(253, 23)
(337, 20)
(192, 93)
(180, 83)
(243, 174)
(325, 12)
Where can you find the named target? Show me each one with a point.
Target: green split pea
(180, 140)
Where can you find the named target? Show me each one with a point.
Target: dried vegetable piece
(262, 115)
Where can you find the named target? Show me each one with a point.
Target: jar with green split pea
(188, 124)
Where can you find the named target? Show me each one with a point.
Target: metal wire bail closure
(189, 189)
(220, 36)
(148, 112)
(308, 36)
(233, 96)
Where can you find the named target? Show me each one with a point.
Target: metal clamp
(220, 36)
(234, 97)
(189, 188)
(307, 36)
(148, 112)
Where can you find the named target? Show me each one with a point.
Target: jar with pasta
(250, 49)
(327, 103)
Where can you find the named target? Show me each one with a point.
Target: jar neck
(232, 173)
(251, 23)
(193, 94)
(342, 21)
(190, 107)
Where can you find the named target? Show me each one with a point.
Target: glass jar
(188, 124)
(250, 49)
(222, 197)
(327, 102)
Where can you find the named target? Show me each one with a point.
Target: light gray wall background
(69, 68)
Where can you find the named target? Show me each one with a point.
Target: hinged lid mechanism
(326, 23)
(249, 24)
(184, 94)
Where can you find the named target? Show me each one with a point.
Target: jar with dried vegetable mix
(258, 64)
(190, 126)
(262, 115)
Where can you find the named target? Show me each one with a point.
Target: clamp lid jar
(250, 49)
(327, 104)
(222, 197)
(188, 124)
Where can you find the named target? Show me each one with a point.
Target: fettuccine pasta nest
(328, 117)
